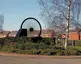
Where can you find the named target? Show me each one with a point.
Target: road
(26, 60)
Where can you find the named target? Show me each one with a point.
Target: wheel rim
(31, 29)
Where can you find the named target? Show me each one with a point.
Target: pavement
(10, 58)
(39, 56)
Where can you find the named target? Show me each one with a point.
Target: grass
(77, 47)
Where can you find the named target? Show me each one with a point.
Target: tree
(54, 14)
(57, 12)
(1, 22)
(68, 23)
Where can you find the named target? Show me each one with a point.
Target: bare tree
(54, 13)
(1, 22)
(67, 24)
(57, 12)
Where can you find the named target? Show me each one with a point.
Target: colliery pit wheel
(30, 27)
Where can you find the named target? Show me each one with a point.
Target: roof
(4, 32)
(36, 32)
(47, 31)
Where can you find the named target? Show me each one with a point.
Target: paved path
(27, 60)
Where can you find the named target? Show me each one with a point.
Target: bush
(48, 41)
(78, 42)
(8, 49)
(46, 46)
(70, 51)
(51, 52)
(78, 52)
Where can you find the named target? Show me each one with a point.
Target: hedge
(45, 46)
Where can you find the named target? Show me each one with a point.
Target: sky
(15, 11)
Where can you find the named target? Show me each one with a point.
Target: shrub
(78, 42)
(24, 45)
(48, 41)
(70, 51)
(52, 52)
(78, 52)
(8, 49)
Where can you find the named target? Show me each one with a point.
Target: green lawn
(78, 47)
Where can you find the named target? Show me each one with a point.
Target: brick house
(13, 34)
(73, 35)
(46, 33)
(3, 34)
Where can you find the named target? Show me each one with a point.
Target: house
(46, 33)
(13, 34)
(73, 35)
(3, 34)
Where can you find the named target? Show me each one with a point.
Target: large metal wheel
(32, 26)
